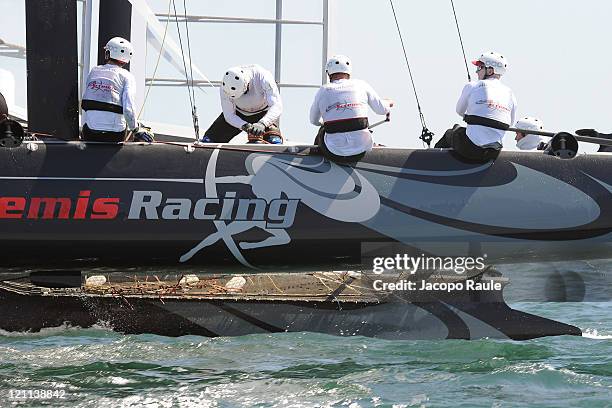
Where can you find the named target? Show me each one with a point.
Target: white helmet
(493, 60)
(529, 123)
(236, 82)
(338, 63)
(119, 49)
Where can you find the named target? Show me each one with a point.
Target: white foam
(593, 334)
(51, 331)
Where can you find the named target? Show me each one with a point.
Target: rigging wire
(189, 84)
(426, 134)
(161, 51)
(461, 42)
(194, 112)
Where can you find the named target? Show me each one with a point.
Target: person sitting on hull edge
(488, 107)
(343, 104)
(250, 102)
(528, 141)
(108, 100)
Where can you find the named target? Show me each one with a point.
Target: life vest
(103, 92)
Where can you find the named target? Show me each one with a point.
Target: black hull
(227, 207)
(397, 316)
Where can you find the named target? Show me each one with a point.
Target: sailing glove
(258, 129)
(247, 127)
(143, 134)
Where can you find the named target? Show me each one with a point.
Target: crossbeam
(182, 82)
(220, 19)
(12, 50)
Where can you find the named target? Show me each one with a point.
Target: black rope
(461, 42)
(188, 47)
(426, 134)
(194, 112)
(178, 29)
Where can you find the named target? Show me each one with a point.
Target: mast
(115, 20)
(52, 67)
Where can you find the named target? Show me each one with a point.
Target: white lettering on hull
(151, 205)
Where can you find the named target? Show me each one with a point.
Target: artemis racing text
(152, 205)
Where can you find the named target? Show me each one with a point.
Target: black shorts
(457, 139)
(222, 132)
(92, 135)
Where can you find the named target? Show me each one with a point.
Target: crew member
(3, 108)
(251, 102)
(108, 100)
(7, 85)
(488, 107)
(343, 106)
(529, 141)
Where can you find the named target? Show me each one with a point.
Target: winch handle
(386, 119)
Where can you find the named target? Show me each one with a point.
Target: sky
(558, 53)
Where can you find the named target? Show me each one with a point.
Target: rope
(191, 102)
(426, 135)
(161, 51)
(194, 113)
(188, 49)
(461, 42)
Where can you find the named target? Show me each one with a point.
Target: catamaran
(70, 209)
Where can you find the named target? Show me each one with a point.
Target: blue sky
(558, 51)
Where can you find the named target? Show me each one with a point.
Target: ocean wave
(594, 334)
(61, 330)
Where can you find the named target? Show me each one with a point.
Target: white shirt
(262, 94)
(111, 84)
(488, 98)
(346, 99)
(529, 142)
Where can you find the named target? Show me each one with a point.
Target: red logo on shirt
(99, 86)
(343, 106)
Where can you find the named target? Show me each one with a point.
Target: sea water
(97, 367)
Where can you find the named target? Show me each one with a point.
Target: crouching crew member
(108, 100)
(488, 107)
(528, 141)
(343, 105)
(250, 102)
